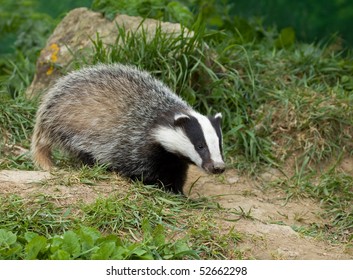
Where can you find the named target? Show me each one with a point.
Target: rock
(74, 33)
(22, 177)
(233, 179)
(271, 174)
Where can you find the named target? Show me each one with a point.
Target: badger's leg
(41, 149)
(177, 178)
(165, 169)
(86, 158)
(42, 156)
(172, 174)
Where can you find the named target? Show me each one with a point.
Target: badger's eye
(200, 146)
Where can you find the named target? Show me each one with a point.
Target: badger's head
(195, 137)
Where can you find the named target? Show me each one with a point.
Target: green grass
(285, 107)
(333, 189)
(20, 215)
(16, 124)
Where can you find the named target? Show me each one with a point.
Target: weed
(242, 214)
(212, 244)
(126, 213)
(39, 216)
(314, 230)
(88, 243)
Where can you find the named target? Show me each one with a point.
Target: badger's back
(105, 96)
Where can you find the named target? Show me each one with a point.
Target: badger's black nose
(218, 169)
(215, 167)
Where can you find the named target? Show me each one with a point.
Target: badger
(122, 117)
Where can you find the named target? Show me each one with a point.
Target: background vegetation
(287, 104)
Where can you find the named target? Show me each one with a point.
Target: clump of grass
(215, 244)
(333, 189)
(16, 123)
(20, 215)
(16, 120)
(307, 111)
(124, 213)
(16, 116)
(311, 124)
(87, 175)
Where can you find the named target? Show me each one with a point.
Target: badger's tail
(41, 148)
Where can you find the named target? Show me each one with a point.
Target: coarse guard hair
(122, 117)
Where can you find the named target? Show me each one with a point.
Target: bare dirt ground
(267, 234)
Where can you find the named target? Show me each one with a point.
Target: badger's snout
(214, 167)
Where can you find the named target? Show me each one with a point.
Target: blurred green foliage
(312, 20)
(22, 27)
(25, 24)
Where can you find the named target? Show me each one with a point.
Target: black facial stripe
(216, 123)
(194, 132)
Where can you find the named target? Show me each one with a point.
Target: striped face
(195, 137)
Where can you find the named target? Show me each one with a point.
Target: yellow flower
(54, 49)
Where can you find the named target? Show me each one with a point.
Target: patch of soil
(29, 184)
(268, 231)
(346, 165)
(266, 226)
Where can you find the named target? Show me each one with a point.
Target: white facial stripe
(211, 137)
(175, 141)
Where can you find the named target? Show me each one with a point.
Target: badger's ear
(216, 120)
(218, 116)
(180, 119)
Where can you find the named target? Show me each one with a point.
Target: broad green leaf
(105, 251)
(286, 38)
(71, 243)
(36, 245)
(11, 253)
(88, 237)
(180, 13)
(56, 243)
(146, 228)
(7, 238)
(30, 235)
(60, 255)
(159, 235)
